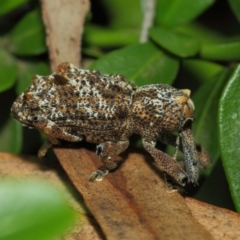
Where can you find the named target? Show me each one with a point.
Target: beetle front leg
(167, 164)
(203, 156)
(192, 156)
(191, 161)
(106, 151)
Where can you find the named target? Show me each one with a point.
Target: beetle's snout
(187, 103)
(189, 109)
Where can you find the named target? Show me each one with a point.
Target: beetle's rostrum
(75, 104)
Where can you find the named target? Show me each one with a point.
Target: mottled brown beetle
(75, 104)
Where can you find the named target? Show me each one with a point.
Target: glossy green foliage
(28, 36)
(99, 36)
(178, 44)
(7, 6)
(235, 6)
(33, 210)
(229, 134)
(8, 68)
(123, 13)
(202, 33)
(140, 63)
(174, 12)
(11, 136)
(229, 51)
(201, 69)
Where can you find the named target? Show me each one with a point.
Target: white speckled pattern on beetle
(75, 104)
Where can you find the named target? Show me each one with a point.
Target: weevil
(75, 104)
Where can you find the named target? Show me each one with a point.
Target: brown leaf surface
(222, 223)
(64, 20)
(133, 202)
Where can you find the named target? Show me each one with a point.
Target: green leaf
(27, 71)
(123, 13)
(229, 125)
(174, 12)
(235, 6)
(200, 69)
(178, 44)
(221, 52)
(8, 73)
(206, 105)
(28, 36)
(106, 37)
(141, 63)
(11, 136)
(202, 33)
(7, 6)
(32, 210)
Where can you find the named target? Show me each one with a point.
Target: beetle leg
(44, 148)
(191, 161)
(167, 164)
(53, 134)
(106, 151)
(50, 129)
(203, 157)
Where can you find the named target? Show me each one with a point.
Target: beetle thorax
(159, 108)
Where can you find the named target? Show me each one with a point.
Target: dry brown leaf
(222, 223)
(27, 167)
(133, 202)
(64, 20)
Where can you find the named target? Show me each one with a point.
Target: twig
(149, 14)
(64, 21)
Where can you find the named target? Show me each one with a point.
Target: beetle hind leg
(106, 151)
(53, 133)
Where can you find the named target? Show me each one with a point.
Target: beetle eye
(187, 123)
